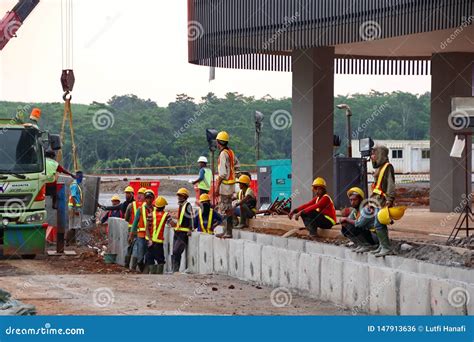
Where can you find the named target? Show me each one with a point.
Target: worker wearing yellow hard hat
(383, 194)
(113, 212)
(246, 205)
(130, 214)
(319, 212)
(207, 218)
(357, 225)
(184, 227)
(227, 167)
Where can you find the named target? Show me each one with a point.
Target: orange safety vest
(377, 187)
(141, 229)
(133, 213)
(331, 217)
(231, 179)
(179, 228)
(208, 229)
(158, 233)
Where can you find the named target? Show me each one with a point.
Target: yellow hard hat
(183, 192)
(244, 179)
(356, 190)
(319, 182)
(161, 202)
(204, 198)
(149, 193)
(129, 189)
(384, 216)
(142, 191)
(223, 136)
(115, 198)
(397, 213)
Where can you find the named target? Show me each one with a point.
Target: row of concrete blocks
(355, 285)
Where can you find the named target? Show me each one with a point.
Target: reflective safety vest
(241, 196)
(205, 184)
(377, 187)
(333, 210)
(202, 228)
(77, 205)
(133, 214)
(179, 227)
(158, 232)
(231, 179)
(51, 170)
(141, 229)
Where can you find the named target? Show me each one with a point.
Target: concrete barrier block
(297, 245)
(246, 235)
(314, 247)
(192, 253)
(118, 239)
(334, 251)
(461, 274)
(356, 257)
(221, 256)
(309, 274)
(264, 239)
(433, 270)
(383, 290)
(470, 299)
(331, 279)
(280, 242)
(404, 264)
(252, 261)
(206, 254)
(379, 262)
(414, 292)
(167, 248)
(355, 293)
(270, 266)
(449, 297)
(288, 268)
(236, 258)
(236, 233)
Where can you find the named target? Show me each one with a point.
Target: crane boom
(13, 20)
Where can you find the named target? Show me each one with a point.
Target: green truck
(23, 221)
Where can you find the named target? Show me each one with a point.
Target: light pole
(349, 139)
(211, 135)
(258, 129)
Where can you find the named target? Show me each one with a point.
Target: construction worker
(75, 201)
(113, 213)
(206, 219)
(383, 194)
(52, 170)
(225, 187)
(130, 214)
(245, 208)
(205, 177)
(155, 236)
(319, 212)
(144, 214)
(129, 198)
(357, 226)
(183, 227)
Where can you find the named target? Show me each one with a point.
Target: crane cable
(67, 76)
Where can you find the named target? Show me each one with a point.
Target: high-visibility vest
(77, 205)
(51, 170)
(179, 227)
(142, 222)
(333, 211)
(377, 187)
(205, 184)
(204, 229)
(231, 179)
(241, 196)
(158, 232)
(132, 214)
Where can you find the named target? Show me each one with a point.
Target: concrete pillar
(451, 77)
(313, 120)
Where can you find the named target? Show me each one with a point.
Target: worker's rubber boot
(127, 260)
(146, 269)
(134, 264)
(386, 248)
(154, 269)
(244, 223)
(141, 267)
(160, 269)
(176, 266)
(229, 227)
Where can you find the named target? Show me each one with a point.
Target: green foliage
(143, 135)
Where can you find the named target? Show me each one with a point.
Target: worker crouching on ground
(225, 187)
(383, 193)
(144, 213)
(155, 236)
(113, 213)
(356, 227)
(319, 212)
(183, 228)
(245, 208)
(206, 219)
(130, 214)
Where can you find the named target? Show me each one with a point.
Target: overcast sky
(139, 47)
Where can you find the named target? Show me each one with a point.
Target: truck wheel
(28, 256)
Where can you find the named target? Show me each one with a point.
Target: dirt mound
(435, 255)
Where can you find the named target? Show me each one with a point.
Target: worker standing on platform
(319, 212)
(144, 214)
(205, 177)
(155, 236)
(75, 202)
(206, 219)
(246, 206)
(225, 187)
(383, 193)
(183, 228)
(130, 214)
(52, 170)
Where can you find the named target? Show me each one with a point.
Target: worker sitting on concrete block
(356, 227)
(319, 212)
(245, 208)
(207, 218)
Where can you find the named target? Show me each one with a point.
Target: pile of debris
(11, 307)
(467, 242)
